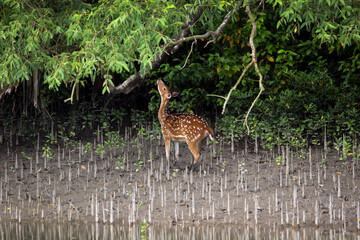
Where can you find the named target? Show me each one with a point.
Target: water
(73, 231)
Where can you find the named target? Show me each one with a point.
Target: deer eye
(164, 89)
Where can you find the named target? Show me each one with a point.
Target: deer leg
(167, 149)
(195, 150)
(176, 150)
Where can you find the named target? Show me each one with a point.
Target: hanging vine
(253, 62)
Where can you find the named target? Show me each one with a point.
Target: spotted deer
(180, 126)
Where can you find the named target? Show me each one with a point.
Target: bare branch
(128, 85)
(208, 34)
(187, 58)
(215, 95)
(254, 60)
(235, 86)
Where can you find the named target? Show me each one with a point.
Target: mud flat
(134, 183)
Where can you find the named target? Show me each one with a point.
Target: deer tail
(211, 133)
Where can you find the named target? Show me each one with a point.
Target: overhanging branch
(253, 55)
(213, 34)
(253, 62)
(135, 80)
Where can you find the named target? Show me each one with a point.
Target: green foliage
(308, 52)
(26, 156)
(120, 163)
(71, 42)
(296, 112)
(100, 149)
(47, 150)
(330, 22)
(114, 140)
(87, 147)
(138, 118)
(154, 133)
(139, 164)
(67, 138)
(229, 127)
(144, 229)
(279, 160)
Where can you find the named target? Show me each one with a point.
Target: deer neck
(163, 113)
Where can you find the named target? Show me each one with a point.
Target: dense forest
(78, 65)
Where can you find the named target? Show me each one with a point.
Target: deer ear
(168, 96)
(175, 94)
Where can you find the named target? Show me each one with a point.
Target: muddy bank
(135, 182)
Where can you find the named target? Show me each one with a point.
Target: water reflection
(60, 231)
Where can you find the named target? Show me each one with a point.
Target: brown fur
(181, 127)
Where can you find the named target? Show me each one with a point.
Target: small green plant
(87, 121)
(87, 147)
(100, 149)
(301, 153)
(138, 118)
(175, 171)
(139, 165)
(67, 139)
(50, 139)
(118, 115)
(269, 142)
(338, 144)
(279, 160)
(297, 142)
(48, 152)
(25, 156)
(63, 136)
(154, 133)
(151, 156)
(223, 165)
(315, 142)
(105, 126)
(141, 131)
(356, 153)
(346, 150)
(230, 128)
(113, 140)
(343, 145)
(144, 228)
(242, 167)
(323, 163)
(119, 164)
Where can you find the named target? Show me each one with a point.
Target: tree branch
(187, 58)
(135, 80)
(235, 86)
(8, 88)
(208, 34)
(254, 60)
